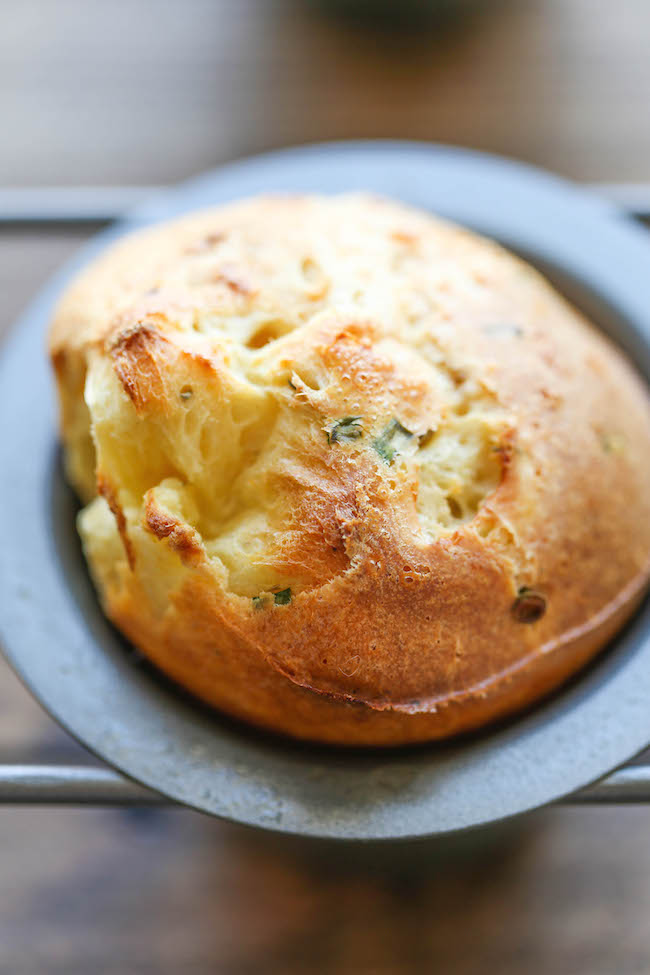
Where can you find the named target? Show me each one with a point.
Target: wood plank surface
(143, 92)
(135, 91)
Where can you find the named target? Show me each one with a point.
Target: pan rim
(159, 739)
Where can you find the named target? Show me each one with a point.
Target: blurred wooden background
(137, 91)
(150, 92)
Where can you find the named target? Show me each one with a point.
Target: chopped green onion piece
(282, 598)
(349, 428)
(529, 605)
(385, 444)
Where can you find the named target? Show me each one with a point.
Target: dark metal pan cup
(84, 674)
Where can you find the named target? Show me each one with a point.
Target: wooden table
(141, 92)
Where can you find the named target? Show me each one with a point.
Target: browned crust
(182, 539)
(106, 490)
(212, 660)
(235, 282)
(139, 356)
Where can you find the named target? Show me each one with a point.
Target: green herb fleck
(612, 443)
(529, 606)
(349, 428)
(385, 444)
(258, 602)
(282, 598)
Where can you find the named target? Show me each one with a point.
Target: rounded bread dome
(350, 473)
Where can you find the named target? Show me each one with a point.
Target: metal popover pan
(85, 675)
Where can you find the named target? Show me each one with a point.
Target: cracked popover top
(350, 472)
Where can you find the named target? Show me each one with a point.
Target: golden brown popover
(350, 473)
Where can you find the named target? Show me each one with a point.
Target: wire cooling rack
(36, 784)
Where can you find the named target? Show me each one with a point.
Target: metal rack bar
(102, 786)
(633, 198)
(72, 785)
(61, 205)
(629, 786)
(90, 785)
